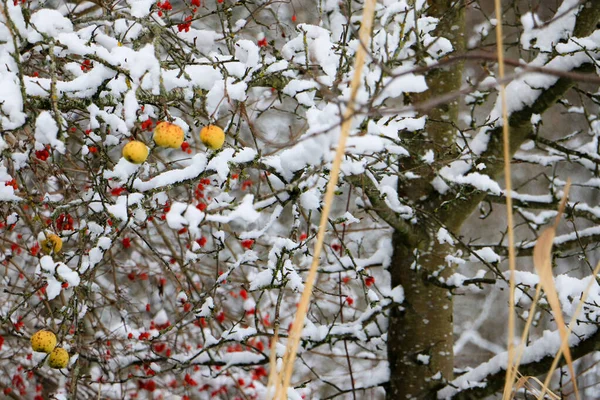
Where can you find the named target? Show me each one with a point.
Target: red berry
(221, 317)
(117, 191)
(42, 154)
(246, 184)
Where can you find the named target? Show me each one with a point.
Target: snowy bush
(174, 273)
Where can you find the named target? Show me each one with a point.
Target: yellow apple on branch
(212, 136)
(59, 358)
(167, 134)
(135, 152)
(43, 341)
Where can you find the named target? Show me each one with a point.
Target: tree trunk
(423, 325)
(420, 335)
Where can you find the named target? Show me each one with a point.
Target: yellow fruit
(52, 243)
(43, 341)
(135, 152)
(212, 136)
(59, 358)
(167, 134)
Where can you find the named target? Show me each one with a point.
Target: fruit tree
(162, 174)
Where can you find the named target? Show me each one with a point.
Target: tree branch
(495, 381)
(458, 208)
(379, 206)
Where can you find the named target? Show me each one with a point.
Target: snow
(479, 181)
(486, 254)
(245, 212)
(404, 83)
(443, 236)
(280, 65)
(222, 161)
(174, 218)
(540, 35)
(423, 359)
(397, 294)
(52, 270)
(122, 171)
(349, 218)
(247, 52)
(388, 192)
(46, 132)
(131, 107)
(48, 22)
(11, 100)
(310, 200)
(458, 280)
(255, 234)
(7, 192)
(120, 210)
(140, 8)
(206, 309)
(428, 157)
(301, 89)
(202, 76)
(222, 92)
(196, 167)
(161, 317)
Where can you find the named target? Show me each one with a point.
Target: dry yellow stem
(542, 261)
(282, 381)
(525, 381)
(564, 340)
(510, 376)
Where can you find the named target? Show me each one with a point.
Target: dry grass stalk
(521, 349)
(510, 376)
(564, 340)
(282, 381)
(525, 382)
(542, 261)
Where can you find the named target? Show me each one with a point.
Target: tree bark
(423, 325)
(420, 335)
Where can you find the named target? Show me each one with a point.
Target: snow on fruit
(212, 136)
(51, 243)
(43, 341)
(59, 358)
(167, 134)
(135, 152)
